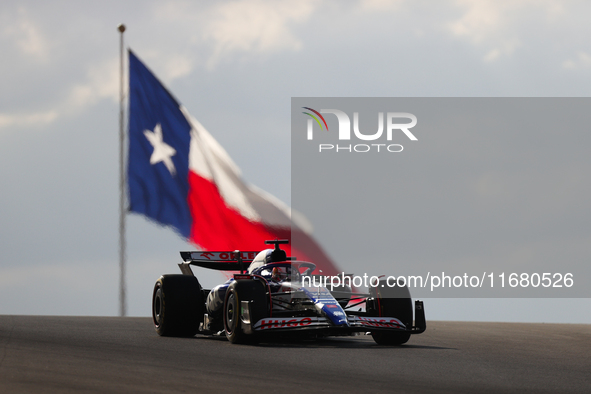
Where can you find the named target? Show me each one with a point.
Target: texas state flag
(179, 176)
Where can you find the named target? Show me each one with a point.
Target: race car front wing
(355, 323)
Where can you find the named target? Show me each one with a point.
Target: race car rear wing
(222, 261)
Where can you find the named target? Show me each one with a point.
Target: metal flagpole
(122, 301)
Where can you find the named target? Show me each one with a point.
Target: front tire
(390, 302)
(244, 290)
(177, 305)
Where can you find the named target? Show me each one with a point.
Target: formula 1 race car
(274, 295)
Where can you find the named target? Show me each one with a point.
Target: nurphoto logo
(344, 130)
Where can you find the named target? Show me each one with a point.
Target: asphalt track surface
(108, 354)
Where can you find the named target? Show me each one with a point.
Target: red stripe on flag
(218, 227)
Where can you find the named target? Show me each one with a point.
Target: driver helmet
(275, 275)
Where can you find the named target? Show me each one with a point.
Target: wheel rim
(231, 313)
(157, 309)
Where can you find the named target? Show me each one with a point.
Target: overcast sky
(235, 65)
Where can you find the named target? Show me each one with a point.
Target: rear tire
(390, 302)
(244, 290)
(177, 305)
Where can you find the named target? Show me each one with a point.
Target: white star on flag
(162, 151)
